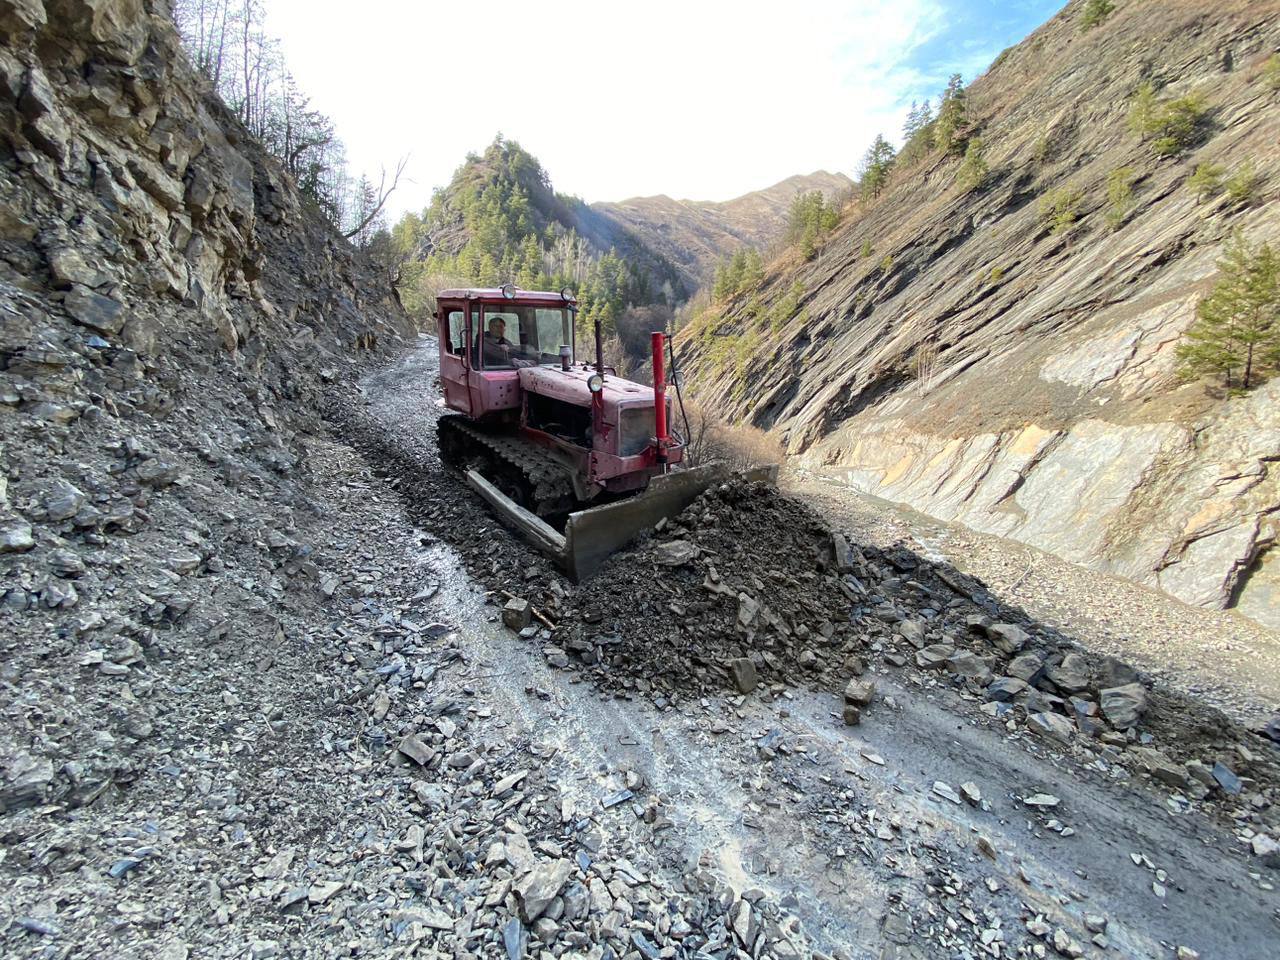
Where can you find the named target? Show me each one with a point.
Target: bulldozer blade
(591, 536)
(536, 530)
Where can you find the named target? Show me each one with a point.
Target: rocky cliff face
(170, 312)
(696, 235)
(984, 368)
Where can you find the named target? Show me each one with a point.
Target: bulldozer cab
(487, 335)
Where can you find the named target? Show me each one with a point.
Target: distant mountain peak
(696, 235)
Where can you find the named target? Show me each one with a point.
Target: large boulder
(1124, 706)
(1007, 637)
(1071, 674)
(118, 28)
(19, 17)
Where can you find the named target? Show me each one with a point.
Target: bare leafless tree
(372, 201)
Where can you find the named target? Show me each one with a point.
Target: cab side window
(457, 334)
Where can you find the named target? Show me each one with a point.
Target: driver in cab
(497, 348)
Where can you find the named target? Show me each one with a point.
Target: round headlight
(567, 295)
(595, 383)
(509, 291)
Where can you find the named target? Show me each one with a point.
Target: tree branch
(384, 193)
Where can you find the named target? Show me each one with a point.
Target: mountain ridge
(696, 235)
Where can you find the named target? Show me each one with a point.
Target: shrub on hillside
(1236, 334)
(1119, 196)
(1095, 12)
(973, 170)
(1061, 207)
(1206, 182)
(738, 446)
(1171, 124)
(1242, 186)
(1271, 72)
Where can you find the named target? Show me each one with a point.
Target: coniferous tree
(1206, 181)
(951, 126)
(876, 164)
(1236, 334)
(1119, 196)
(973, 171)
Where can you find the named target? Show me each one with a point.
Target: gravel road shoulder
(1221, 657)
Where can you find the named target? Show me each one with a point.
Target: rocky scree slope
(207, 656)
(696, 235)
(984, 368)
(171, 314)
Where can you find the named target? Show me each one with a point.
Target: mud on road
(862, 832)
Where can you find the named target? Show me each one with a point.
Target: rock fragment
(537, 888)
(1124, 706)
(743, 672)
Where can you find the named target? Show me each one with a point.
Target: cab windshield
(513, 336)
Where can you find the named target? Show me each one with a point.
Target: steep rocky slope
(984, 368)
(171, 316)
(695, 235)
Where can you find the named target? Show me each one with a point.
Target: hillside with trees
(228, 43)
(500, 219)
(1034, 319)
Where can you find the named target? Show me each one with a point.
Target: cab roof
(495, 293)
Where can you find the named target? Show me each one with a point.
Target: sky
(698, 99)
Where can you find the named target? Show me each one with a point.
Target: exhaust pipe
(662, 439)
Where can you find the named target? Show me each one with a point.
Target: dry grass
(713, 440)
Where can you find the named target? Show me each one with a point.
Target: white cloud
(698, 100)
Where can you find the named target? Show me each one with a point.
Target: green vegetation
(950, 130)
(741, 273)
(1061, 207)
(1119, 196)
(876, 164)
(1242, 186)
(787, 309)
(1271, 72)
(1206, 182)
(811, 219)
(1040, 152)
(887, 263)
(996, 275)
(1095, 11)
(511, 227)
(1236, 334)
(866, 249)
(973, 170)
(1171, 124)
(917, 134)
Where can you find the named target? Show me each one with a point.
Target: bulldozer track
(547, 486)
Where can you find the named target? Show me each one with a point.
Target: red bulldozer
(576, 458)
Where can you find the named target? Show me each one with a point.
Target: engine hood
(571, 387)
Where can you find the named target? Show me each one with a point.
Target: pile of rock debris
(748, 588)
